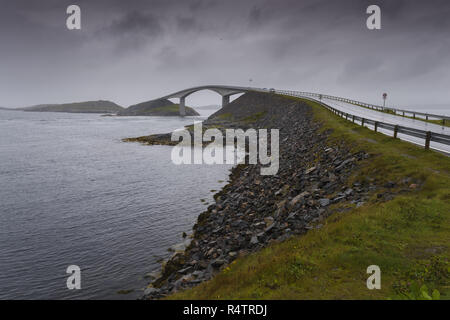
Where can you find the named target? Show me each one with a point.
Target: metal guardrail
(428, 136)
(370, 106)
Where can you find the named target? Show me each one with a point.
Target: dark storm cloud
(136, 23)
(188, 24)
(135, 50)
(255, 18)
(132, 31)
(196, 5)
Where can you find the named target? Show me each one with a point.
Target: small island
(100, 106)
(160, 107)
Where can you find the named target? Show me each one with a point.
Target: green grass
(408, 237)
(173, 109)
(225, 116)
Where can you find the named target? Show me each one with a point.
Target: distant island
(100, 106)
(160, 107)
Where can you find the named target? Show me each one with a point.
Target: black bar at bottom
(235, 309)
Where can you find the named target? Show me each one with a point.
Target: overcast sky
(133, 51)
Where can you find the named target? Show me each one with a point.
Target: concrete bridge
(225, 91)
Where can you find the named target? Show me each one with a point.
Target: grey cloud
(135, 23)
(188, 24)
(197, 5)
(254, 18)
(140, 49)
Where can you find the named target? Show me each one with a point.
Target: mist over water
(73, 193)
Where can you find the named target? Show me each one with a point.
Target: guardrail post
(353, 119)
(362, 122)
(427, 140)
(426, 117)
(414, 115)
(395, 131)
(403, 113)
(376, 126)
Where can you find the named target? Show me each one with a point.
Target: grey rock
(198, 273)
(151, 291)
(269, 221)
(344, 163)
(185, 270)
(324, 202)
(308, 171)
(348, 192)
(218, 263)
(291, 215)
(269, 228)
(299, 197)
(338, 199)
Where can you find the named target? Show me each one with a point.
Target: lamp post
(384, 99)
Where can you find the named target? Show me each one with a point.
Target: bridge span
(225, 91)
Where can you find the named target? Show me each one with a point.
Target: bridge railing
(427, 136)
(395, 111)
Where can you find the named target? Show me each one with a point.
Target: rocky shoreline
(253, 211)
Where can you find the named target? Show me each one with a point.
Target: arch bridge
(225, 91)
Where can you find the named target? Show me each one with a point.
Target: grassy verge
(408, 237)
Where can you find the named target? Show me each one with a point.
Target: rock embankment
(253, 211)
